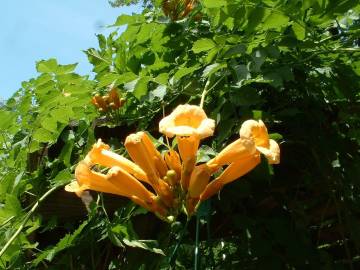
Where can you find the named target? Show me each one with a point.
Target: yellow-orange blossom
(172, 179)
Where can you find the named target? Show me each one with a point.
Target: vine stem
(207, 90)
(182, 234)
(196, 261)
(203, 95)
(27, 217)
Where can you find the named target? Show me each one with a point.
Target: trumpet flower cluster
(108, 102)
(178, 9)
(170, 182)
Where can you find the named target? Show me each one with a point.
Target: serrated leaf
(141, 87)
(275, 20)
(159, 92)
(62, 178)
(211, 69)
(63, 244)
(246, 96)
(204, 154)
(214, 3)
(62, 114)
(298, 30)
(202, 45)
(162, 78)
(47, 66)
(43, 135)
(150, 245)
(6, 118)
(49, 124)
(11, 208)
(128, 19)
(241, 73)
(185, 71)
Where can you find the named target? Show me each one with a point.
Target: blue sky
(41, 29)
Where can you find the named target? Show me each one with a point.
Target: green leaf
(211, 69)
(214, 3)
(47, 66)
(185, 71)
(62, 178)
(203, 45)
(66, 151)
(139, 86)
(6, 119)
(62, 114)
(66, 242)
(162, 78)
(298, 30)
(11, 208)
(129, 19)
(115, 78)
(49, 124)
(43, 135)
(275, 20)
(275, 136)
(241, 73)
(205, 153)
(246, 96)
(65, 69)
(149, 245)
(159, 92)
(235, 51)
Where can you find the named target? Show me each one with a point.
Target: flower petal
(158, 159)
(128, 185)
(239, 168)
(200, 177)
(257, 131)
(88, 179)
(100, 154)
(188, 146)
(211, 189)
(234, 171)
(239, 149)
(272, 154)
(143, 152)
(138, 151)
(187, 120)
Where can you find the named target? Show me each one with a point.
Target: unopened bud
(170, 177)
(106, 98)
(113, 106)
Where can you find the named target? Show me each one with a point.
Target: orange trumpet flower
(234, 171)
(257, 131)
(116, 181)
(187, 120)
(144, 153)
(101, 154)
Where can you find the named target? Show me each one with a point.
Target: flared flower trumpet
(170, 181)
(189, 124)
(187, 120)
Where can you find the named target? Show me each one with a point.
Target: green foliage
(293, 64)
